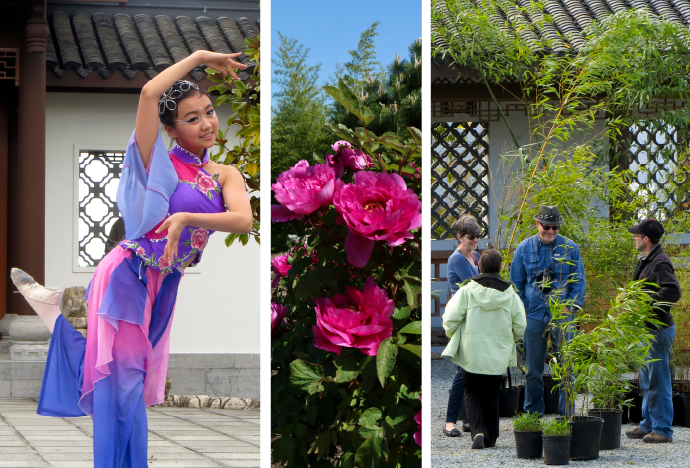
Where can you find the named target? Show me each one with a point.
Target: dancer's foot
(43, 300)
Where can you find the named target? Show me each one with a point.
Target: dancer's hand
(224, 63)
(174, 223)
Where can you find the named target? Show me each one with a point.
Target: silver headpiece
(169, 99)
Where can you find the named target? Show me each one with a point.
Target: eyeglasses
(549, 227)
(472, 237)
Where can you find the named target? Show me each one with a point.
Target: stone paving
(178, 437)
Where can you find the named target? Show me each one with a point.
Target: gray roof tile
(85, 42)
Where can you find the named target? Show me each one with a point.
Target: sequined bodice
(197, 192)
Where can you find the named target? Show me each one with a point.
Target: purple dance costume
(121, 367)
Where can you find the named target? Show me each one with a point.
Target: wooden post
(27, 213)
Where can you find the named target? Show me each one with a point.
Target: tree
(299, 114)
(394, 97)
(363, 64)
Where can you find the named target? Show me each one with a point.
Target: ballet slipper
(32, 291)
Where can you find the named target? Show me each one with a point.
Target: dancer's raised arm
(146, 129)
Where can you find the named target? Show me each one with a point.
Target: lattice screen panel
(99, 174)
(460, 175)
(655, 167)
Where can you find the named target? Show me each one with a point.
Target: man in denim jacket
(544, 265)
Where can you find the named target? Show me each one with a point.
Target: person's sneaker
(655, 438)
(478, 441)
(636, 433)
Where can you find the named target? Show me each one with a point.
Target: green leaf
(321, 445)
(402, 416)
(347, 369)
(416, 134)
(385, 359)
(284, 450)
(412, 327)
(370, 417)
(368, 454)
(307, 376)
(413, 290)
(416, 349)
(402, 313)
(346, 460)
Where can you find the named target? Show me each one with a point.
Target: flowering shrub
(347, 361)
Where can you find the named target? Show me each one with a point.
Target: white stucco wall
(218, 308)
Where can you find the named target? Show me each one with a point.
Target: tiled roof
(105, 44)
(565, 20)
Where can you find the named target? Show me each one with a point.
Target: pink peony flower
(141, 251)
(204, 182)
(280, 214)
(278, 313)
(280, 265)
(163, 262)
(346, 155)
(199, 239)
(418, 434)
(304, 189)
(377, 207)
(356, 319)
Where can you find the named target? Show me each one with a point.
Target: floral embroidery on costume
(194, 193)
(205, 184)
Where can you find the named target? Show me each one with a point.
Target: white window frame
(77, 149)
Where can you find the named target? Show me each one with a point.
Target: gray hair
(467, 224)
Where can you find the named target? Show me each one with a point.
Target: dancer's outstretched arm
(237, 219)
(146, 129)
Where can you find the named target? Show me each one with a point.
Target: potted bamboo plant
(618, 345)
(595, 362)
(556, 435)
(528, 440)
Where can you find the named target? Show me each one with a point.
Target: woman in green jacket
(483, 320)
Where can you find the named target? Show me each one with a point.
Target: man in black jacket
(655, 267)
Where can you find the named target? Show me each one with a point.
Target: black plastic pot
(611, 430)
(528, 444)
(550, 397)
(521, 399)
(678, 414)
(624, 415)
(683, 409)
(556, 450)
(586, 438)
(635, 411)
(508, 401)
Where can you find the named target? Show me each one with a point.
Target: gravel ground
(455, 452)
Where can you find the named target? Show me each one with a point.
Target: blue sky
(329, 28)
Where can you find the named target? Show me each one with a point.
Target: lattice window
(654, 163)
(99, 174)
(9, 65)
(460, 175)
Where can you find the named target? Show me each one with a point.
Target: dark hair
(654, 240)
(179, 91)
(490, 260)
(467, 224)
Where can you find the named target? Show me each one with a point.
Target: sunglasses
(472, 237)
(549, 227)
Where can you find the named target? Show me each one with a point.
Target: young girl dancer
(170, 203)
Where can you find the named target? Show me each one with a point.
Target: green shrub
(557, 427)
(528, 422)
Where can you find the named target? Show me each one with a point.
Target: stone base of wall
(233, 375)
(205, 401)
